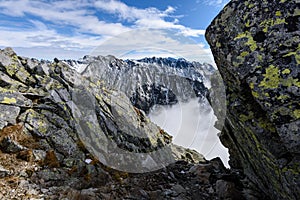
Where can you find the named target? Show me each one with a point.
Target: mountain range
(148, 81)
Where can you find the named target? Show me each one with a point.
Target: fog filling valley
(191, 127)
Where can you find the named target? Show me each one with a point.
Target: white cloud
(147, 18)
(170, 9)
(46, 42)
(85, 30)
(64, 13)
(131, 13)
(192, 32)
(148, 41)
(41, 35)
(217, 3)
(76, 16)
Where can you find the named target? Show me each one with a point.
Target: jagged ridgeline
(149, 81)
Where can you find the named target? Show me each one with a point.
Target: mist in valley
(192, 126)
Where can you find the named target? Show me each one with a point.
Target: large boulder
(256, 48)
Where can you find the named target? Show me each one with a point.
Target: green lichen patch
(295, 53)
(245, 118)
(8, 100)
(255, 94)
(244, 53)
(296, 12)
(290, 82)
(266, 24)
(250, 41)
(11, 69)
(278, 13)
(283, 97)
(271, 78)
(286, 71)
(297, 113)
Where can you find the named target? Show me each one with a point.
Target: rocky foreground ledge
(256, 48)
(45, 109)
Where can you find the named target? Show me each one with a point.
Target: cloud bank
(80, 26)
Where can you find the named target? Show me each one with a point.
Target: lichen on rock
(256, 48)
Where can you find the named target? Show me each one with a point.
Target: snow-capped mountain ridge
(149, 81)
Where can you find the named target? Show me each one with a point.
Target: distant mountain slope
(148, 81)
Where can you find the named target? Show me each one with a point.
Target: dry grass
(20, 165)
(16, 133)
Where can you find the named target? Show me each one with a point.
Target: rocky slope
(64, 136)
(256, 48)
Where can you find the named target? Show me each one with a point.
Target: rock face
(256, 48)
(64, 136)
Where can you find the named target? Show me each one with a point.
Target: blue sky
(72, 29)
